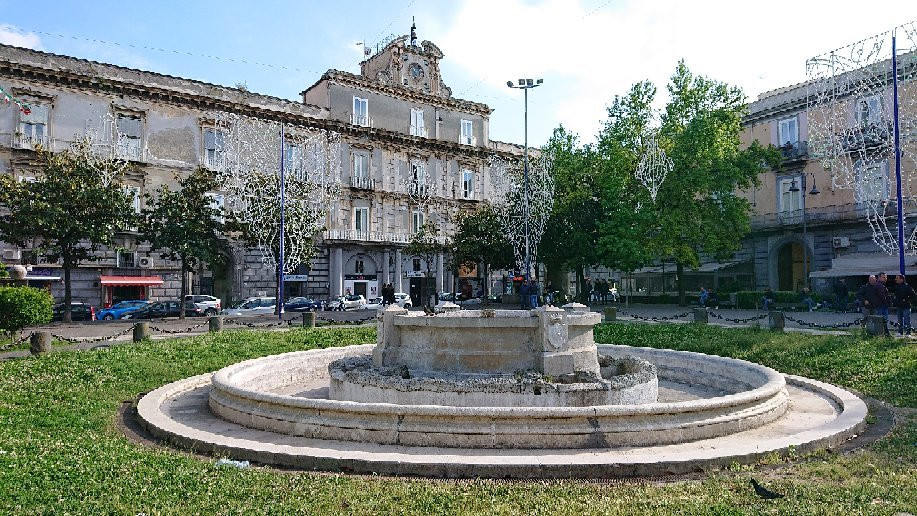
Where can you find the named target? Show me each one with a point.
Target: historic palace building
(402, 133)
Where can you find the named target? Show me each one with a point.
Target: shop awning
(670, 268)
(864, 264)
(131, 281)
(42, 278)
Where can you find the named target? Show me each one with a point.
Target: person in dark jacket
(524, 295)
(867, 295)
(768, 299)
(884, 298)
(904, 294)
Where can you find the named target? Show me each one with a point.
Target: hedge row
(24, 306)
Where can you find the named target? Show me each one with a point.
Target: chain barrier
(737, 321)
(16, 343)
(855, 322)
(654, 318)
(90, 341)
(185, 330)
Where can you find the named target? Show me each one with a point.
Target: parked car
(120, 309)
(373, 304)
(494, 298)
(78, 312)
(302, 304)
(168, 308)
(209, 304)
(354, 302)
(254, 306)
(403, 300)
(446, 296)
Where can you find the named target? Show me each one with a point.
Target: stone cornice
(357, 81)
(81, 75)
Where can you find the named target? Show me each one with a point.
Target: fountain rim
(774, 384)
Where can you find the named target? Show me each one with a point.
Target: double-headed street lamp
(525, 85)
(805, 245)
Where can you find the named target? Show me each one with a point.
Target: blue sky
(587, 51)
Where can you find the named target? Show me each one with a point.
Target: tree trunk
(68, 292)
(486, 283)
(581, 285)
(184, 289)
(680, 271)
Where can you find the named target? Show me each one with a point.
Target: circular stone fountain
(499, 393)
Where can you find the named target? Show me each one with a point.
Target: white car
(403, 300)
(209, 304)
(349, 302)
(253, 306)
(373, 304)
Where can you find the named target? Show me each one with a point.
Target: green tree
(3, 272)
(75, 206)
(479, 240)
(427, 244)
(571, 234)
(696, 210)
(184, 225)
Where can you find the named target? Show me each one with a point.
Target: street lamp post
(525, 85)
(805, 246)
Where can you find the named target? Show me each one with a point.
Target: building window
(416, 221)
(130, 146)
(872, 183)
(134, 193)
(417, 128)
(33, 128)
(217, 202)
(789, 201)
(127, 259)
(467, 184)
(415, 263)
(788, 132)
(360, 175)
(293, 160)
(214, 144)
(418, 178)
(869, 110)
(361, 220)
(467, 135)
(360, 112)
(359, 266)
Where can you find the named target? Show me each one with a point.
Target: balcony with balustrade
(370, 237)
(362, 183)
(29, 142)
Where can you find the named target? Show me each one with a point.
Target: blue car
(302, 304)
(119, 310)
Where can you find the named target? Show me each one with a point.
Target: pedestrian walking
(702, 297)
(904, 294)
(841, 294)
(883, 299)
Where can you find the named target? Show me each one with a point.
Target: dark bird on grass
(764, 493)
(429, 311)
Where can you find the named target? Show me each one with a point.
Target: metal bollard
(216, 323)
(308, 320)
(141, 331)
(40, 342)
(876, 325)
(611, 313)
(776, 320)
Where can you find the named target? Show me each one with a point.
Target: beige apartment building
(402, 134)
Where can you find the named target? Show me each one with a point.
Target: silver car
(253, 306)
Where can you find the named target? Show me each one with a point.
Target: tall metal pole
(805, 244)
(280, 262)
(898, 158)
(528, 265)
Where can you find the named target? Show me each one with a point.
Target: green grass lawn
(60, 451)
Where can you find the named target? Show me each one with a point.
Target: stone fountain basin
(288, 394)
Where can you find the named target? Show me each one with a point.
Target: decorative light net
(246, 154)
(653, 166)
(509, 201)
(851, 127)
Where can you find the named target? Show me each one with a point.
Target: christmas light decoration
(851, 116)
(653, 166)
(246, 156)
(509, 195)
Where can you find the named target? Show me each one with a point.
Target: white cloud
(10, 35)
(588, 55)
